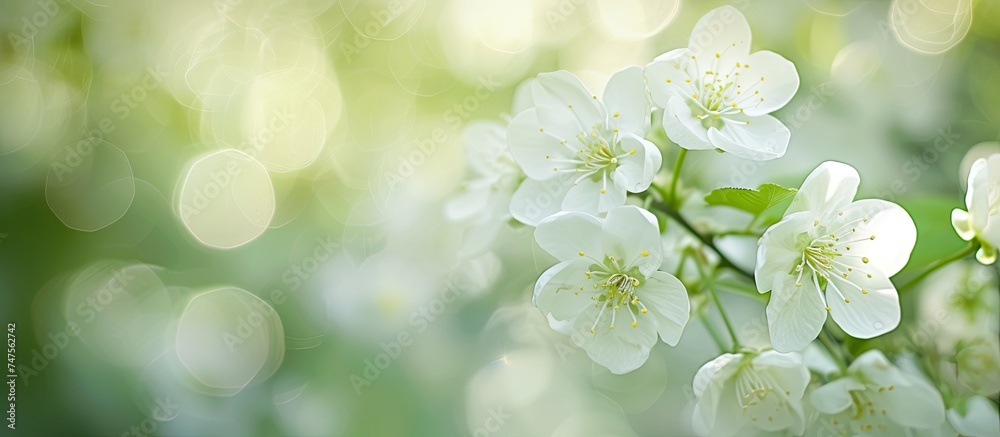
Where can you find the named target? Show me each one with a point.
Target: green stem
(680, 266)
(672, 200)
(714, 333)
(741, 232)
(739, 288)
(706, 240)
(707, 279)
(834, 348)
(932, 267)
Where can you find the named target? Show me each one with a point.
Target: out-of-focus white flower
(978, 366)
(959, 303)
(715, 94)
(606, 291)
(979, 420)
(982, 220)
(877, 398)
(581, 153)
(833, 254)
(484, 202)
(764, 391)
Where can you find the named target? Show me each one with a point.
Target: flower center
(596, 156)
(827, 256)
(868, 408)
(620, 286)
(759, 395)
(717, 90)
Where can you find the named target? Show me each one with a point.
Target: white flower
(484, 202)
(833, 254)
(958, 304)
(715, 94)
(980, 419)
(579, 153)
(763, 390)
(877, 397)
(982, 221)
(977, 364)
(606, 291)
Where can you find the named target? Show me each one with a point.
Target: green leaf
(752, 201)
(936, 237)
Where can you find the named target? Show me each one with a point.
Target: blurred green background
(350, 312)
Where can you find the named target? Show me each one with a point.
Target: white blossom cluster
(582, 170)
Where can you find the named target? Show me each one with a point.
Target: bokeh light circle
(226, 199)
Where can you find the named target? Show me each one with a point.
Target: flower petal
(717, 398)
(666, 75)
(471, 201)
(571, 235)
(523, 97)
(876, 368)
(869, 313)
(962, 223)
(540, 154)
(479, 237)
(918, 405)
(667, 300)
(622, 349)
(639, 168)
(485, 145)
(776, 251)
(835, 397)
(795, 314)
(762, 139)
(626, 96)
(535, 200)
(562, 89)
(977, 198)
(714, 372)
(630, 234)
(886, 238)
(980, 420)
(564, 291)
(828, 189)
(773, 80)
(683, 127)
(586, 195)
(987, 255)
(723, 31)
